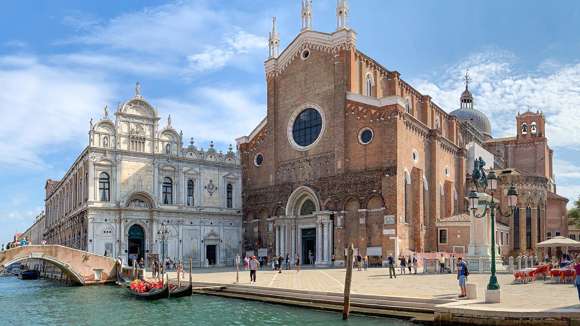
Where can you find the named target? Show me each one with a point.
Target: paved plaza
(535, 296)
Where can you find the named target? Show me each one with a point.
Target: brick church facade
(350, 153)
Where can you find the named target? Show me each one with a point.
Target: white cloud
(178, 38)
(566, 169)
(501, 93)
(42, 106)
(218, 114)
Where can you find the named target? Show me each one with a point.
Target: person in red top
(577, 269)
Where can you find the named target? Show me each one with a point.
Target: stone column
(534, 228)
(330, 238)
(318, 243)
(91, 185)
(277, 249)
(522, 235)
(293, 239)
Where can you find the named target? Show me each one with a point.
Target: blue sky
(61, 62)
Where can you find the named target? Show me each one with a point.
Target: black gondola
(182, 291)
(30, 274)
(154, 294)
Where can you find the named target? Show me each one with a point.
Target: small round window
(259, 159)
(365, 136)
(305, 54)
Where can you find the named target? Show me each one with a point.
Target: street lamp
(163, 232)
(490, 182)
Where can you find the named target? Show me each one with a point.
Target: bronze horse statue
(478, 176)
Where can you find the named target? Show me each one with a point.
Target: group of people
(409, 263)
(16, 243)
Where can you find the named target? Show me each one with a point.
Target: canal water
(44, 302)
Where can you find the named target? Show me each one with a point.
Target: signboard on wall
(389, 231)
(389, 219)
(249, 253)
(375, 251)
(263, 252)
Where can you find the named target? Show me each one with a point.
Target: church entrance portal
(210, 254)
(308, 245)
(136, 243)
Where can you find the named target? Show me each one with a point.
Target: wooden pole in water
(190, 263)
(347, 281)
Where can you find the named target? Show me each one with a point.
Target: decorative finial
(91, 123)
(106, 111)
(341, 14)
(274, 40)
(138, 90)
(211, 144)
(191, 142)
(230, 148)
(306, 14)
(181, 136)
(169, 121)
(467, 79)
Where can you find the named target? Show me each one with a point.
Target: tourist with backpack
(462, 273)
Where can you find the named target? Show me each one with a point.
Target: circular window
(259, 159)
(365, 136)
(306, 127)
(305, 54)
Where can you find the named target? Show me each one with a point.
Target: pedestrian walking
(415, 263)
(297, 263)
(402, 264)
(280, 264)
(442, 264)
(409, 264)
(287, 261)
(366, 263)
(462, 273)
(391, 265)
(246, 262)
(332, 259)
(253, 268)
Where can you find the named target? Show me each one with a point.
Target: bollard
(511, 264)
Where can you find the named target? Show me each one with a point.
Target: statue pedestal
(493, 296)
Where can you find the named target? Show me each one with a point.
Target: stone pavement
(535, 296)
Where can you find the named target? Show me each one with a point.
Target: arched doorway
(136, 243)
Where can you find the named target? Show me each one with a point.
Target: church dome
(467, 113)
(477, 118)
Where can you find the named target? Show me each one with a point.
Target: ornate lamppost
(480, 180)
(163, 233)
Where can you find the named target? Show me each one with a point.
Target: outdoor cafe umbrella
(558, 241)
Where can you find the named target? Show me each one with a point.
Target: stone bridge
(82, 267)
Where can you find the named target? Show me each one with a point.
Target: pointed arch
(297, 199)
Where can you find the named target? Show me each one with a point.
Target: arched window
(307, 208)
(369, 85)
(524, 128)
(190, 192)
(167, 191)
(533, 128)
(408, 106)
(168, 148)
(229, 196)
(104, 187)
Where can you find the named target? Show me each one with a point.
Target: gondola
(30, 274)
(153, 294)
(182, 291)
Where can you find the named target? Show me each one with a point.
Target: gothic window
(307, 127)
(167, 191)
(528, 228)
(408, 107)
(539, 224)
(104, 187)
(517, 228)
(369, 85)
(229, 196)
(168, 148)
(524, 128)
(407, 197)
(533, 128)
(190, 192)
(307, 208)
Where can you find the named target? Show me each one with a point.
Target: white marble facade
(156, 184)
